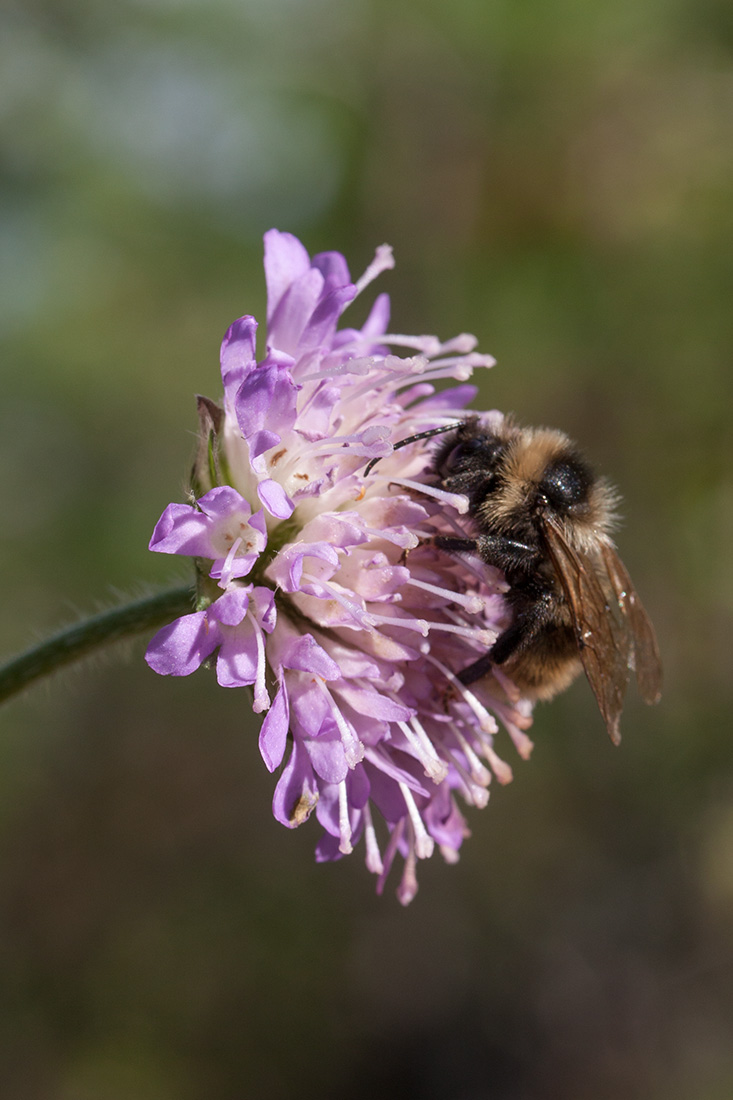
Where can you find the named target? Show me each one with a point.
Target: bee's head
(467, 461)
(529, 474)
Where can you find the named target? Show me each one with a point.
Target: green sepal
(210, 467)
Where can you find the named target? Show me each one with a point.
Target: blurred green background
(555, 176)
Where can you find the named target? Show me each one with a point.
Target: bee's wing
(603, 638)
(645, 653)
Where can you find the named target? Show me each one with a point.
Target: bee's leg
(455, 545)
(477, 670)
(517, 637)
(514, 638)
(510, 555)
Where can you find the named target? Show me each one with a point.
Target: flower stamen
(485, 720)
(383, 261)
(474, 792)
(261, 694)
(345, 846)
(470, 601)
(423, 842)
(478, 772)
(448, 500)
(415, 734)
(353, 747)
(373, 856)
(407, 888)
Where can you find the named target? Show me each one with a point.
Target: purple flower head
(319, 585)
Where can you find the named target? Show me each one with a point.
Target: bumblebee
(542, 517)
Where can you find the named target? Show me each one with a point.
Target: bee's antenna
(413, 439)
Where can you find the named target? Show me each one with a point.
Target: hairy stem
(81, 639)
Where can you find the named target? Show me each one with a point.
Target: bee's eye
(456, 456)
(565, 483)
(470, 453)
(470, 447)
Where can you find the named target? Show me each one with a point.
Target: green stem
(83, 638)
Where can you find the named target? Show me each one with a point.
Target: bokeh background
(555, 176)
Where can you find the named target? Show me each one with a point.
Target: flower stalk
(84, 638)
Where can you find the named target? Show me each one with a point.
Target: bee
(542, 517)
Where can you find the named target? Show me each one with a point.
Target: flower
(319, 586)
